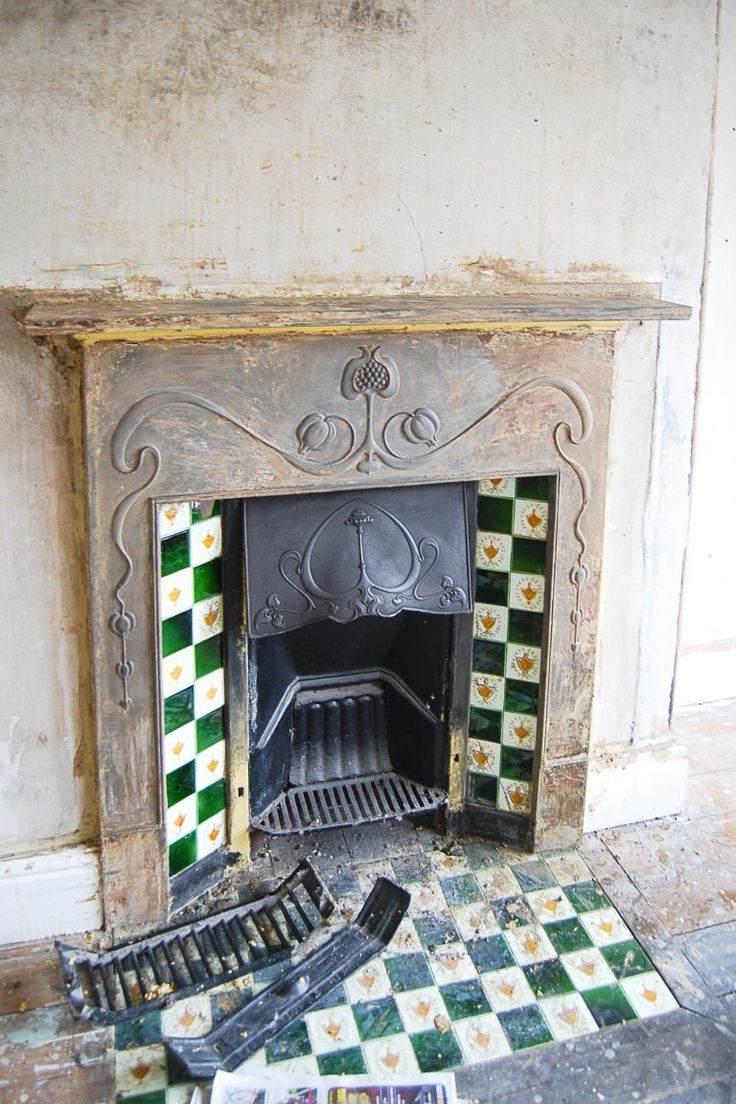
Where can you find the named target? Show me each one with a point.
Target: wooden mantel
(92, 320)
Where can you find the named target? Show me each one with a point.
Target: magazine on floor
(267, 1088)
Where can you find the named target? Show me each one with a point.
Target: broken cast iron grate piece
(251, 1027)
(338, 804)
(123, 982)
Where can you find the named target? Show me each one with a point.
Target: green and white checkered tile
(494, 957)
(511, 563)
(192, 680)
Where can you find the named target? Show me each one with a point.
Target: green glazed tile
(568, 935)
(529, 556)
(488, 657)
(436, 1050)
(512, 911)
(207, 580)
(526, 627)
(533, 874)
(349, 1061)
(197, 513)
(336, 996)
(208, 656)
(175, 553)
(626, 959)
(377, 1018)
(495, 515)
(485, 724)
(521, 697)
(142, 1031)
(464, 998)
(210, 729)
(176, 633)
(482, 789)
(461, 890)
(490, 953)
(179, 709)
(225, 1004)
(433, 931)
(492, 587)
(211, 801)
(608, 1005)
(517, 764)
(180, 783)
(292, 1042)
(548, 979)
(182, 854)
(586, 896)
(158, 1096)
(533, 486)
(525, 1027)
(408, 971)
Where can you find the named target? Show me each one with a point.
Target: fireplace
(344, 566)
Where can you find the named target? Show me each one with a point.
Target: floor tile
(568, 935)
(462, 889)
(525, 1027)
(512, 911)
(550, 904)
(475, 921)
(292, 1042)
(626, 959)
(464, 998)
(481, 1038)
(339, 1062)
(332, 1029)
(507, 989)
(609, 1005)
(604, 926)
(392, 1055)
(409, 971)
(370, 982)
(490, 953)
(451, 963)
(436, 1050)
(529, 943)
(497, 882)
(534, 874)
(586, 896)
(436, 930)
(548, 979)
(419, 1008)
(567, 1016)
(648, 994)
(588, 969)
(377, 1018)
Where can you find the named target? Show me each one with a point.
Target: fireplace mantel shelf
(92, 320)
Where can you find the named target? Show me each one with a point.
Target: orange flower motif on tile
(491, 551)
(568, 1013)
(606, 926)
(485, 690)
(212, 692)
(367, 978)
(210, 617)
(529, 593)
(179, 821)
(521, 732)
(480, 756)
(186, 1019)
(551, 904)
(533, 519)
(449, 961)
(422, 1009)
(208, 540)
(588, 967)
(141, 1071)
(488, 622)
(531, 943)
(213, 765)
(390, 1058)
(516, 796)
(524, 662)
(496, 482)
(176, 673)
(174, 595)
(648, 994)
(333, 1028)
(171, 513)
(508, 989)
(178, 747)
(213, 834)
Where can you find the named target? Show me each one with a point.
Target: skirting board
(633, 784)
(54, 893)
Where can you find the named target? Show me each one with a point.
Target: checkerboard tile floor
(497, 954)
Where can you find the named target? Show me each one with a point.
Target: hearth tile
(177, 671)
(533, 486)
(210, 729)
(408, 971)
(517, 764)
(522, 697)
(481, 1038)
(437, 1050)
(530, 519)
(486, 691)
(292, 1042)
(523, 662)
(209, 693)
(525, 1027)
(210, 835)
(188, 1018)
(336, 996)
(208, 656)
(179, 1094)
(370, 983)
(529, 556)
(475, 921)
(175, 553)
(648, 994)
(491, 622)
(176, 592)
(332, 1029)
(485, 724)
(526, 592)
(211, 801)
(497, 882)
(568, 868)
(568, 935)
(433, 931)
(140, 1070)
(304, 1066)
(497, 488)
(342, 1062)
(587, 897)
(205, 540)
(609, 1005)
(206, 619)
(450, 963)
(173, 517)
(367, 873)
(548, 979)
(567, 1016)
(410, 868)
(488, 657)
(493, 551)
(420, 1008)
(391, 1055)
(529, 944)
(447, 861)
(492, 587)
(461, 889)
(180, 746)
(587, 969)
(519, 730)
(549, 905)
(226, 1000)
(495, 515)
(507, 989)
(464, 998)
(176, 633)
(512, 911)
(406, 940)
(180, 783)
(141, 1031)
(207, 580)
(181, 818)
(605, 926)
(490, 953)
(514, 796)
(179, 709)
(626, 959)
(182, 854)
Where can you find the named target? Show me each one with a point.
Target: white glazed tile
(406, 940)
(484, 757)
(205, 540)
(526, 592)
(531, 518)
(568, 868)
(140, 1070)
(497, 487)
(486, 691)
(605, 926)
(392, 1055)
(180, 746)
(523, 661)
(370, 982)
(490, 622)
(515, 796)
(305, 1065)
(481, 1038)
(207, 618)
(209, 692)
(497, 882)
(419, 1008)
(177, 671)
(587, 968)
(519, 730)
(567, 1016)
(209, 765)
(173, 518)
(210, 834)
(474, 921)
(648, 994)
(529, 944)
(451, 962)
(181, 819)
(507, 989)
(188, 1019)
(549, 905)
(332, 1029)
(176, 592)
(493, 551)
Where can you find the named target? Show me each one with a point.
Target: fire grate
(118, 984)
(346, 802)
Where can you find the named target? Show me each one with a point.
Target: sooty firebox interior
(355, 603)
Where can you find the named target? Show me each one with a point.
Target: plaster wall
(259, 148)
